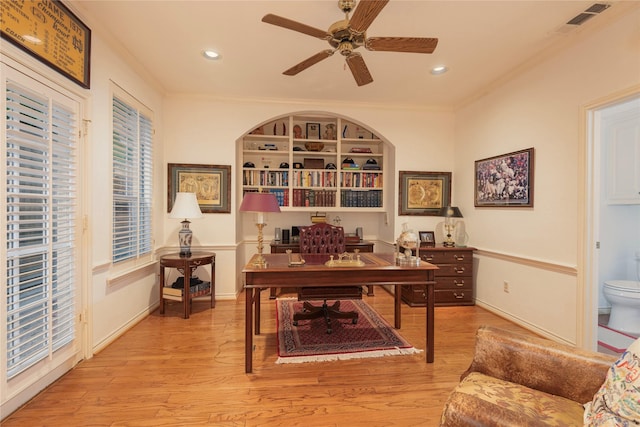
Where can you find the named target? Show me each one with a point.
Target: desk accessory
(260, 203)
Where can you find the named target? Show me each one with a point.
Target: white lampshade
(185, 206)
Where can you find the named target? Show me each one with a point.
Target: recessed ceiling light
(440, 69)
(211, 54)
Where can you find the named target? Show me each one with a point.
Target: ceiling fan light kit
(347, 35)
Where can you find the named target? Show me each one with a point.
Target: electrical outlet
(506, 286)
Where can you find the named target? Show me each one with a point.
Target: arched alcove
(289, 155)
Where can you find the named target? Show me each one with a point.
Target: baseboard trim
(124, 328)
(521, 322)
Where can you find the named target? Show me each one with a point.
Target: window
(41, 214)
(132, 179)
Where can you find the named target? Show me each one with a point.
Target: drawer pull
(461, 296)
(459, 257)
(459, 284)
(460, 270)
(427, 257)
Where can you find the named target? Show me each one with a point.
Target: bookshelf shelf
(300, 158)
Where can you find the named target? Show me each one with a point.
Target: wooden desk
(186, 266)
(379, 269)
(281, 248)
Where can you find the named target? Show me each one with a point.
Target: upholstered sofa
(517, 380)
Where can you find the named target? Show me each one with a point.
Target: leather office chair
(325, 238)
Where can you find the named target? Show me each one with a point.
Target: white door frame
(588, 216)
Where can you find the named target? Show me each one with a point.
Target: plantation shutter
(41, 220)
(132, 181)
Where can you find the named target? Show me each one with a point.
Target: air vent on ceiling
(589, 13)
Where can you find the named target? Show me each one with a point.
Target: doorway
(611, 231)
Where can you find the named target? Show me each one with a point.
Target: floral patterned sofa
(517, 380)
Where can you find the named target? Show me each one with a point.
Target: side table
(186, 266)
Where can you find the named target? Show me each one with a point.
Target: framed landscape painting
(211, 183)
(505, 180)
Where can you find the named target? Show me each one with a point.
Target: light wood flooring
(168, 371)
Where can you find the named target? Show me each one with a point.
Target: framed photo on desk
(427, 239)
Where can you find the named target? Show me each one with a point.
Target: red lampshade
(259, 202)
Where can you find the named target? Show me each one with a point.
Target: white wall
(540, 108)
(205, 130)
(115, 306)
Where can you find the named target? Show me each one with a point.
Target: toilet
(624, 297)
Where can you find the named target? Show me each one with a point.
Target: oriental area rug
(371, 336)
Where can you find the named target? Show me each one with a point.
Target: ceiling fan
(347, 35)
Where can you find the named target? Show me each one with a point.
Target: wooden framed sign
(51, 33)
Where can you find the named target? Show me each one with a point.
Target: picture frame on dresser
(427, 239)
(211, 183)
(423, 193)
(505, 180)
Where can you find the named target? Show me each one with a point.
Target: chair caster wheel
(329, 331)
(295, 323)
(354, 321)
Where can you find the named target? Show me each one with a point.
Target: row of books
(306, 178)
(361, 199)
(282, 195)
(314, 198)
(265, 177)
(195, 290)
(362, 180)
(327, 198)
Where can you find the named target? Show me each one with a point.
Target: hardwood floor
(168, 371)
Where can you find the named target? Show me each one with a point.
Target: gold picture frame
(211, 183)
(423, 193)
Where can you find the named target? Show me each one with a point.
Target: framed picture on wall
(505, 180)
(424, 193)
(211, 183)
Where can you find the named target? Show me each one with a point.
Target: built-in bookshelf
(315, 161)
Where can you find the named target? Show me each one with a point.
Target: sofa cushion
(483, 400)
(617, 403)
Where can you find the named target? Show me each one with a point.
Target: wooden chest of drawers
(454, 279)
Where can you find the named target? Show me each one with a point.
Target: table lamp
(260, 203)
(449, 212)
(185, 206)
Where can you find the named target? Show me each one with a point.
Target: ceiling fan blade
(366, 11)
(295, 26)
(308, 62)
(402, 44)
(359, 69)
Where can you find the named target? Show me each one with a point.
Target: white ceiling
(480, 41)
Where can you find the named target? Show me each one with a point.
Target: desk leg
(161, 289)
(430, 322)
(398, 307)
(257, 317)
(213, 284)
(186, 294)
(248, 333)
